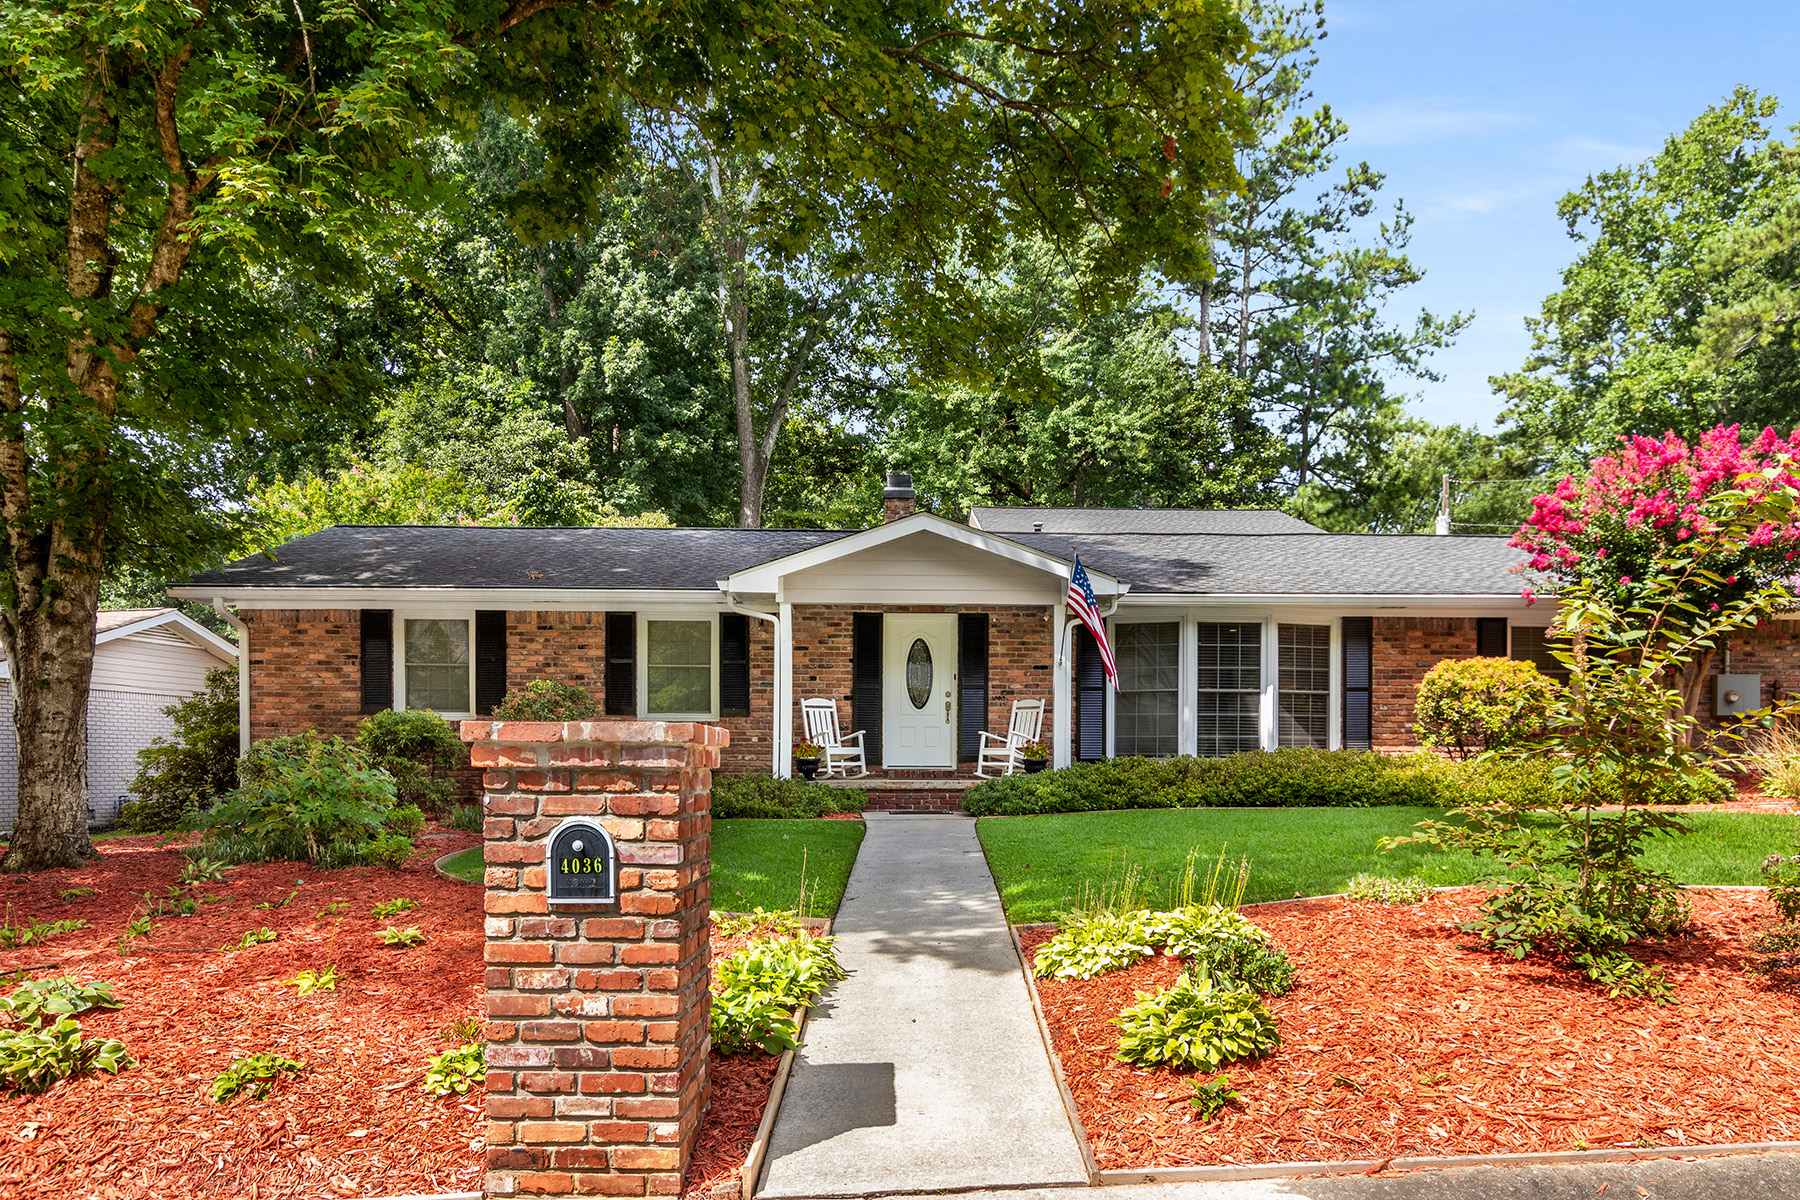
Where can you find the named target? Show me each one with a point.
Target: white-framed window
(1147, 708)
(678, 667)
(434, 664)
(1303, 687)
(1228, 706)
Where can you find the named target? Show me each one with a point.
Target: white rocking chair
(1005, 752)
(837, 752)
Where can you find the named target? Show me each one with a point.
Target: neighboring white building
(145, 659)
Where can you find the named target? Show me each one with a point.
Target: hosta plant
(1198, 1023)
(37, 1001)
(32, 1060)
(1211, 1099)
(255, 1073)
(1385, 890)
(401, 937)
(757, 989)
(309, 981)
(455, 1072)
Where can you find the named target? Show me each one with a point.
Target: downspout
(243, 657)
(778, 763)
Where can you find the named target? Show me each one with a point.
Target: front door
(918, 690)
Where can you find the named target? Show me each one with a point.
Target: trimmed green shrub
(405, 820)
(546, 700)
(1468, 706)
(184, 774)
(304, 797)
(1293, 779)
(390, 850)
(770, 798)
(419, 749)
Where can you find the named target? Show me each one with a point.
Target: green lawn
(759, 863)
(1042, 864)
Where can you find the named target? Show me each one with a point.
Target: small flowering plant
(807, 750)
(1034, 750)
(1783, 874)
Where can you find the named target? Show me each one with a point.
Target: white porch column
(1061, 695)
(783, 766)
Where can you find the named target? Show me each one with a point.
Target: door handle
(946, 711)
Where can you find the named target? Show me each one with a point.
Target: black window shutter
(972, 671)
(865, 680)
(377, 659)
(1090, 697)
(490, 660)
(1490, 637)
(1359, 673)
(734, 665)
(621, 664)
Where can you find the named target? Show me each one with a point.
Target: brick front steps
(942, 795)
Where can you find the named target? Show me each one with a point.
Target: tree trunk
(52, 659)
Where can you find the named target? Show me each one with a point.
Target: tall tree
(1296, 302)
(1078, 406)
(157, 157)
(1672, 318)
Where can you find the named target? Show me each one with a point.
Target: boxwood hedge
(1283, 779)
(767, 797)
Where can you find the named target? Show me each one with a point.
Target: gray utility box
(1737, 694)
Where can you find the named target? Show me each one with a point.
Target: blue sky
(1484, 113)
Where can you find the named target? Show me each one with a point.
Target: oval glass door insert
(918, 673)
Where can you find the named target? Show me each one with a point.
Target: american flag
(1081, 599)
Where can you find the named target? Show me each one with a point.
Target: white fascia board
(510, 599)
(1313, 599)
(178, 623)
(765, 578)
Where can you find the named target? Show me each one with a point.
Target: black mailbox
(582, 866)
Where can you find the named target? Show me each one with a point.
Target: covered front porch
(922, 634)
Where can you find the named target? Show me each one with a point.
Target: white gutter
(243, 664)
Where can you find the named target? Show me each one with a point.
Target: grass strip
(1044, 864)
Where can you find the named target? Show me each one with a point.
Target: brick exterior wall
(598, 1015)
(1404, 649)
(305, 670)
(1020, 655)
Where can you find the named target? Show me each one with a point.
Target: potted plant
(1036, 756)
(806, 758)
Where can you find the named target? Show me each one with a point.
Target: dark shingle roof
(1360, 564)
(1010, 519)
(439, 556)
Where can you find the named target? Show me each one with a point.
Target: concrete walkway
(924, 1070)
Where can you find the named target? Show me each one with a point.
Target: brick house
(1233, 630)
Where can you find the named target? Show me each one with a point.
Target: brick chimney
(897, 498)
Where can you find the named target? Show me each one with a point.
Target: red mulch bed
(1406, 1038)
(356, 1124)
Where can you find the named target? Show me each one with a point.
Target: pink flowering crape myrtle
(1653, 493)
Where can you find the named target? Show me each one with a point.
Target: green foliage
(401, 938)
(310, 980)
(39, 1001)
(756, 989)
(1472, 705)
(418, 749)
(1659, 323)
(466, 818)
(455, 1072)
(33, 1060)
(201, 870)
(1211, 1099)
(1210, 938)
(303, 797)
(1384, 890)
(547, 700)
(1783, 875)
(252, 937)
(765, 797)
(760, 922)
(255, 1073)
(393, 908)
(406, 820)
(186, 772)
(390, 850)
(75, 895)
(15, 934)
(1198, 1023)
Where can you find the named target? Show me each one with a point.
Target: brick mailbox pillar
(597, 1014)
